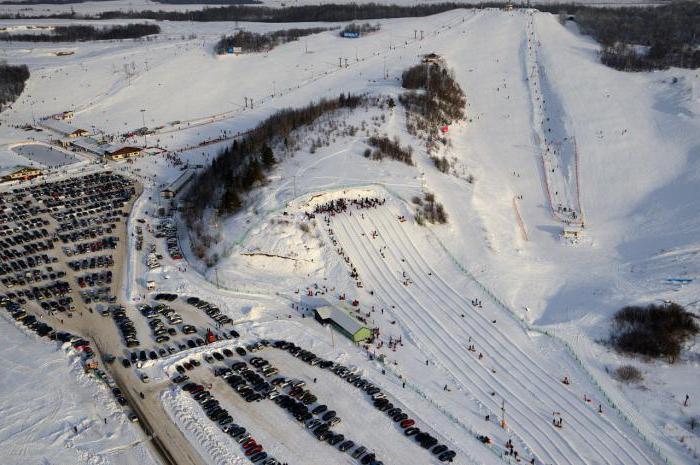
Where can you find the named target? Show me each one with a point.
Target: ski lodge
(22, 173)
(122, 153)
(342, 322)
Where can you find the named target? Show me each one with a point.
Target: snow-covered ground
(627, 161)
(53, 413)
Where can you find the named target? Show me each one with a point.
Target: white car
(145, 378)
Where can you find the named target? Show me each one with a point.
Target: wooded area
(254, 42)
(85, 33)
(12, 79)
(239, 167)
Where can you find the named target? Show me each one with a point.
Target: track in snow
(559, 153)
(512, 367)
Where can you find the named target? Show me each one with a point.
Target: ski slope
(547, 126)
(430, 309)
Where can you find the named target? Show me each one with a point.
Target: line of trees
(209, 2)
(241, 166)
(365, 28)
(80, 33)
(306, 13)
(12, 79)
(254, 42)
(46, 2)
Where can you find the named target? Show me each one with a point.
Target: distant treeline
(254, 42)
(85, 33)
(12, 80)
(305, 13)
(239, 167)
(670, 35)
(209, 2)
(47, 2)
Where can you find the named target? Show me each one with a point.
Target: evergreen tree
(230, 202)
(268, 158)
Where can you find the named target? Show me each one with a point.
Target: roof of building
(123, 150)
(89, 144)
(17, 169)
(58, 126)
(340, 317)
(181, 180)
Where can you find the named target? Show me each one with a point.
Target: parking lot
(296, 407)
(59, 240)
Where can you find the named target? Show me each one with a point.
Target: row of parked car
(297, 400)
(30, 321)
(22, 264)
(100, 261)
(380, 400)
(168, 229)
(93, 279)
(211, 310)
(98, 294)
(126, 326)
(35, 275)
(253, 450)
(106, 243)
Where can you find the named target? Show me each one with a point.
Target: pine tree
(230, 202)
(268, 158)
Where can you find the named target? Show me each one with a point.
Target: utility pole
(346, 62)
(421, 35)
(340, 62)
(415, 34)
(143, 119)
(246, 102)
(216, 273)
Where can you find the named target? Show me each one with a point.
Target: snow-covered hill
(547, 127)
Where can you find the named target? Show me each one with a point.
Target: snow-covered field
(624, 154)
(52, 413)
